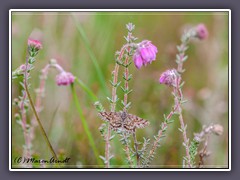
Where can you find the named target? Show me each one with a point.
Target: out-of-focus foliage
(206, 80)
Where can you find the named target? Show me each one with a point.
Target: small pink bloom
(34, 44)
(137, 60)
(218, 129)
(23, 67)
(169, 77)
(144, 54)
(202, 32)
(64, 79)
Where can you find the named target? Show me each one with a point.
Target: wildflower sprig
(33, 47)
(199, 32)
(142, 53)
(203, 137)
(25, 100)
(125, 61)
(143, 151)
(173, 79)
(160, 135)
(125, 140)
(193, 151)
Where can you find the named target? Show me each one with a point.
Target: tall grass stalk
(85, 125)
(86, 43)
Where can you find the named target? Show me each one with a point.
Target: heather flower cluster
(34, 46)
(169, 77)
(64, 78)
(144, 54)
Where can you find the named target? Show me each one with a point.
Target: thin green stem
(39, 122)
(85, 125)
(86, 89)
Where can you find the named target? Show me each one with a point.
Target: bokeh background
(64, 37)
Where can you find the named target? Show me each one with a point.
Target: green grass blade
(86, 89)
(85, 125)
(100, 75)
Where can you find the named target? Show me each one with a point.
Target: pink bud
(144, 54)
(202, 32)
(34, 44)
(138, 60)
(169, 77)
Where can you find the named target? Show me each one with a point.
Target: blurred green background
(206, 80)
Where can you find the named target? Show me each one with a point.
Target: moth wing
(129, 124)
(114, 118)
(138, 122)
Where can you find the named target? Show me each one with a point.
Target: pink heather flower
(218, 129)
(23, 67)
(202, 32)
(144, 54)
(34, 44)
(168, 77)
(137, 60)
(64, 78)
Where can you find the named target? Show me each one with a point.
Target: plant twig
(159, 136)
(180, 59)
(113, 109)
(136, 149)
(126, 86)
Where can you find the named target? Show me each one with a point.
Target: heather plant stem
(127, 150)
(126, 89)
(41, 87)
(85, 125)
(178, 99)
(126, 85)
(186, 141)
(114, 88)
(203, 153)
(24, 124)
(107, 146)
(181, 57)
(160, 133)
(24, 120)
(113, 109)
(136, 149)
(27, 149)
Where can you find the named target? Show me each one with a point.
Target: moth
(127, 122)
